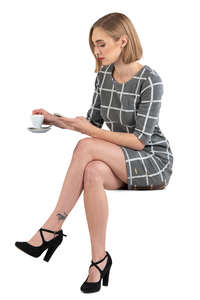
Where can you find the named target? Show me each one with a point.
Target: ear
(124, 40)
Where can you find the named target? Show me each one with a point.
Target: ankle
(98, 256)
(53, 227)
(56, 220)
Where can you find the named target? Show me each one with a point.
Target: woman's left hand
(80, 124)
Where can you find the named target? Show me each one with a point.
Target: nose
(97, 54)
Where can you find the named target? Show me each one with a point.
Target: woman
(133, 154)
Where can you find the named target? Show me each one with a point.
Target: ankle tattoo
(62, 216)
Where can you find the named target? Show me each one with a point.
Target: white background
(152, 236)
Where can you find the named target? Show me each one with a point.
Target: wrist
(56, 122)
(53, 120)
(94, 131)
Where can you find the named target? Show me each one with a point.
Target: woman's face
(106, 47)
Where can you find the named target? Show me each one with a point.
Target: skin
(111, 51)
(96, 165)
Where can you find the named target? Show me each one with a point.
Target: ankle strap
(60, 232)
(97, 262)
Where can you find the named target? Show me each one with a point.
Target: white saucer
(39, 130)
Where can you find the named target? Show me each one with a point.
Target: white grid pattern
(134, 107)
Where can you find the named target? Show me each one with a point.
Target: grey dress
(134, 107)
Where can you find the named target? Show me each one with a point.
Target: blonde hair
(116, 25)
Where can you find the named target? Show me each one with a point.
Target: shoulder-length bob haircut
(116, 25)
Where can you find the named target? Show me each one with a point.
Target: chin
(105, 63)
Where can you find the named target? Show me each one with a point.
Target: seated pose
(132, 154)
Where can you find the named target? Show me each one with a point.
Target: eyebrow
(98, 41)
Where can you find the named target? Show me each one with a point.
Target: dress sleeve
(147, 113)
(93, 114)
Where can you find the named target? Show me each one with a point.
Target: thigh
(111, 154)
(98, 168)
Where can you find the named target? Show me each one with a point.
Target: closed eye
(100, 45)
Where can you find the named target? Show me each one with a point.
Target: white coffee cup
(37, 120)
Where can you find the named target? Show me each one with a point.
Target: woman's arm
(56, 122)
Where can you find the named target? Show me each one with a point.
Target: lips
(101, 58)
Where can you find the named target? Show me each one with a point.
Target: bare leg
(71, 190)
(87, 150)
(97, 176)
(96, 207)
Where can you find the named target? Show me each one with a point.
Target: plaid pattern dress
(134, 107)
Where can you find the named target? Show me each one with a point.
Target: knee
(82, 146)
(93, 173)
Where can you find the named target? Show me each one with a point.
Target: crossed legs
(93, 168)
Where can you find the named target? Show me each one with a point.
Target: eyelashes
(100, 46)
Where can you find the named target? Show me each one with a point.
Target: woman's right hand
(48, 118)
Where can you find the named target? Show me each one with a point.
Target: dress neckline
(136, 75)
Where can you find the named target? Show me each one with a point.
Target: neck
(123, 70)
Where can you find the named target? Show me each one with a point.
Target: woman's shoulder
(152, 74)
(104, 70)
(152, 82)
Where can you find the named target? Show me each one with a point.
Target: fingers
(38, 111)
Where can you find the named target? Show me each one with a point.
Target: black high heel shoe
(91, 287)
(36, 251)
